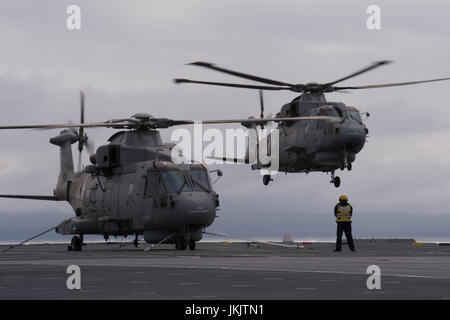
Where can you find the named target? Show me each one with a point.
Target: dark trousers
(347, 228)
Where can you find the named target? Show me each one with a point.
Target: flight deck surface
(226, 271)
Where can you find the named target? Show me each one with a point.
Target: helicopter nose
(352, 136)
(198, 207)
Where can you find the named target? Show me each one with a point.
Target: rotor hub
(143, 117)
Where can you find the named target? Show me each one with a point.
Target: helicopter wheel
(266, 179)
(349, 167)
(75, 244)
(337, 182)
(342, 166)
(191, 244)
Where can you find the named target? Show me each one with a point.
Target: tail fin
(66, 172)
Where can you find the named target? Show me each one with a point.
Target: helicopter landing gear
(266, 179)
(180, 245)
(191, 244)
(335, 180)
(348, 166)
(76, 243)
(185, 242)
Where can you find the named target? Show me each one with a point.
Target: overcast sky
(127, 53)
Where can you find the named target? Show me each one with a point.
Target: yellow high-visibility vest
(343, 213)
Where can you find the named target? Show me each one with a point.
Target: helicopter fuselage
(319, 145)
(323, 145)
(134, 189)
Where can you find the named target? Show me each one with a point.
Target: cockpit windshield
(175, 181)
(355, 115)
(200, 180)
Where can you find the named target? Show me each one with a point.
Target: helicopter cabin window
(200, 180)
(114, 155)
(175, 181)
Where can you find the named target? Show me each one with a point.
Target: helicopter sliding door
(127, 191)
(111, 196)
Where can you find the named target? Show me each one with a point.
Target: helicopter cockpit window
(175, 181)
(200, 180)
(326, 112)
(355, 115)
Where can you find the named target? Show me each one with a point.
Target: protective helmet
(343, 197)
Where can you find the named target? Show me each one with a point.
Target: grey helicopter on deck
(323, 145)
(133, 186)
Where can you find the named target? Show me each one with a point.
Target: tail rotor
(83, 139)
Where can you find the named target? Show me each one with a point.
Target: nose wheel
(183, 245)
(185, 241)
(335, 180)
(266, 179)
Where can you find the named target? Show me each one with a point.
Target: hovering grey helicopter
(323, 145)
(132, 186)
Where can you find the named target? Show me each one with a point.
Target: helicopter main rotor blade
(234, 85)
(261, 103)
(366, 69)
(240, 74)
(385, 85)
(82, 106)
(81, 131)
(161, 123)
(70, 125)
(263, 120)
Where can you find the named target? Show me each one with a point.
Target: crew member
(343, 212)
